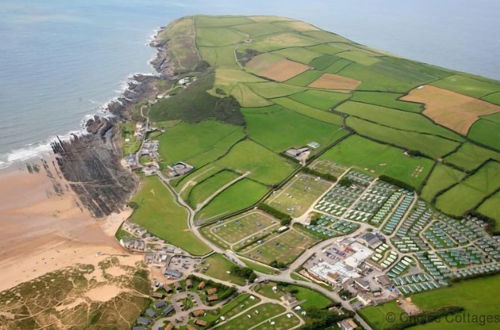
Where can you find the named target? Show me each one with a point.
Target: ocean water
(62, 60)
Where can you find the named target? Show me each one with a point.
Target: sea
(61, 61)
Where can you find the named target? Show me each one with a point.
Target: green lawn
(263, 165)
(159, 214)
(389, 100)
(238, 196)
(198, 144)
(209, 186)
(309, 111)
(380, 158)
(220, 268)
(397, 119)
(441, 178)
(429, 145)
(466, 195)
(376, 315)
(279, 129)
(486, 132)
(320, 99)
(469, 156)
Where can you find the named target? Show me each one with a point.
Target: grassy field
(279, 129)
(257, 314)
(376, 315)
(263, 165)
(309, 111)
(242, 194)
(219, 267)
(280, 322)
(206, 188)
(490, 209)
(467, 194)
(248, 98)
(242, 226)
(212, 37)
(492, 98)
(130, 144)
(397, 119)
(469, 156)
(298, 195)
(380, 159)
(159, 214)
(198, 144)
(389, 100)
(305, 78)
(302, 55)
(429, 145)
(272, 89)
(320, 99)
(221, 57)
(283, 247)
(468, 85)
(441, 178)
(486, 132)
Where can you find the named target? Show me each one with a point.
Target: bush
(324, 176)
(244, 272)
(277, 264)
(396, 182)
(133, 205)
(346, 182)
(283, 217)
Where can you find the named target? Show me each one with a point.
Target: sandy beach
(45, 229)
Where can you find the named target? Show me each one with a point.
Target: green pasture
(229, 20)
(469, 156)
(320, 99)
(302, 55)
(209, 186)
(309, 111)
(219, 56)
(279, 129)
(389, 100)
(440, 179)
(432, 146)
(248, 98)
(491, 209)
(379, 159)
(305, 78)
(272, 89)
(219, 267)
(468, 85)
(216, 37)
(161, 215)
(492, 98)
(486, 132)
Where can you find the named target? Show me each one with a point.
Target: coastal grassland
(331, 49)
(62, 297)
(380, 159)
(396, 119)
(219, 267)
(297, 26)
(326, 36)
(198, 144)
(181, 44)
(130, 144)
(279, 129)
(258, 29)
(298, 195)
(338, 65)
(247, 98)
(309, 111)
(263, 165)
(468, 85)
(216, 37)
(281, 40)
(209, 186)
(302, 55)
(305, 78)
(491, 209)
(193, 104)
(229, 20)
(283, 248)
(324, 61)
(219, 56)
(486, 132)
(238, 196)
(359, 56)
(469, 156)
(159, 213)
(390, 100)
(259, 314)
(250, 225)
(440, 179)
(430, 145)
(320, 99)
(492, 98)
(273, 89)
(479, 296)
(471, 191)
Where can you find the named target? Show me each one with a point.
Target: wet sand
(43, 228)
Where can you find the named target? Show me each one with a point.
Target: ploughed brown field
(275, 68)
(453, 110)
(334, 81)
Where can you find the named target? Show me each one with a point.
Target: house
(202, 285)
(313, 145)
(172, 273)
(160, 304)
(198, 312)
(179, 169)
(167, 310)
(363, 284)
(150, 312)
(200, 323)
(371, 240)
(133, 244)
(347, 324)
(296, 152)
(157, 295)
(211, 291)
(143, 320)
(168, 289)
(213, 297)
